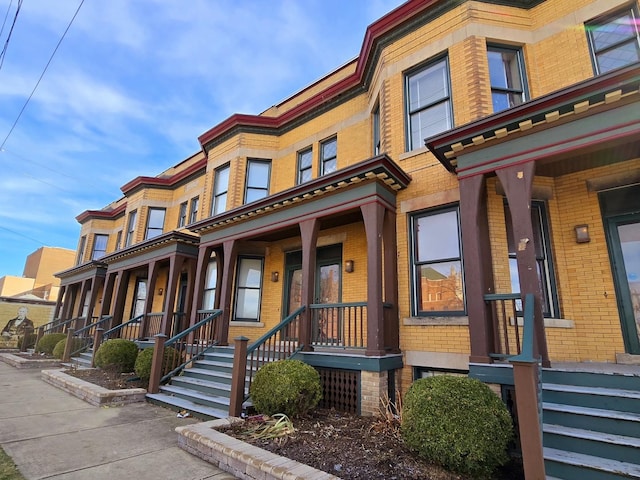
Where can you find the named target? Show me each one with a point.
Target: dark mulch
(33, 356)
(353, 447)
(108, 378)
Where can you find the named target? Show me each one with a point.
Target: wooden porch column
(56, 310)
(204, 255)
(107, 295)
(152, 276)
(390, 286)
(517, 181)
(122, 284)
(175, 267)
(309, 233)
(69, 300)
(96, 284)
(373, 215)
(477, 265)
(229, 258)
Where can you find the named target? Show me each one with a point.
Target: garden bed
(28, 360)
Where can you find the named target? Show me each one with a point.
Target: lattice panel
(340, 389)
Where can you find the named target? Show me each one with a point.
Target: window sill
(549, 322)
(413, 153)
(436, 321)
(234, 323)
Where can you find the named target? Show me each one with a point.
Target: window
(328, 156)
(209, 297)
(428, 103)
(193, 210)
(155, 223)
(182, 215)
(614, 40)
(437, 263)
(258, 172)
(376, 130)
(140, 297)
(305, 158)
(131, 227)
(99, 246)
(118, 240)
(543, 257)
(248, 289)
(81, 247)
(220, 188)
(506, 72)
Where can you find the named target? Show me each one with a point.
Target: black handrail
(108, 333)
(89, 328)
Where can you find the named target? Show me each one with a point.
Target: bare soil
(108, 378)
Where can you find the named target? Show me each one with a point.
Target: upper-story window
(131, 227)
(258, 173)
(99, 246)
(506, 71)
(428, 102)
(193, 209)
(614, 40)
(305, 158)
(155, 223)
(328, 156)
(220, 189)
(182, 215)
(437, 263)
(81, 247)
(375, 119)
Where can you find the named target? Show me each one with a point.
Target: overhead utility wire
(41, 75)
(5, 17)
(6, 44)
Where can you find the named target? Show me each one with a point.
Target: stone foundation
(373, 387)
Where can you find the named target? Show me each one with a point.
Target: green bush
(143, 361)
(457, 422)
(76, 344)
(48, 342)
(286, 386)
(117, 353)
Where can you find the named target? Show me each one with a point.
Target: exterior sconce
(160, 291)
(275, 276)
(582, 234)
(348, 266)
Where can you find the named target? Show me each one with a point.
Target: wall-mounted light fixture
(275, 276)
(348, 266)
(582, 233)
(160, 291)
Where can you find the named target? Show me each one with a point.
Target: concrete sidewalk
(50, 434)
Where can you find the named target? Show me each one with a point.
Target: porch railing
(187, 346)
(506, 308)
(86, 335)
(153, 324)
(279, 343)
(57, 326)
(129, 330)
(341, 325)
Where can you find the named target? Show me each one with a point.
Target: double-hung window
(614, 40)
(131, 228)
(328, 156)
(155, 223)
(211, 279)
(257, 186)
(375, 120)
(99, 246)
(437, 263)
(428, 102)
(182, 215)
(193, 209)
(506, 71)
(220, 189)
(248, 289)
(305, 158)
(81, 247)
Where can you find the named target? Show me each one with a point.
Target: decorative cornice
(172, 237)
(97, 266)
(164, 182)
(102, 214)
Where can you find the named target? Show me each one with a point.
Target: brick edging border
(17, 361)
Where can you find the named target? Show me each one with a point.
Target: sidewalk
(50, 434)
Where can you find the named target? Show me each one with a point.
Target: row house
(475, 165)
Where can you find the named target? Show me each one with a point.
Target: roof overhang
(102, 214)
(165, 182)
(80, 273)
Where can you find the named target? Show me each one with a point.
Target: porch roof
(584, 117)
(79, 273)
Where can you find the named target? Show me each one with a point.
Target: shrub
(48, 342)
(117, 353)
(457, 422)
(143, 361)
(286, 386)
(76, 344)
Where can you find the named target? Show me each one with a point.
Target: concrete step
(593, 397)
(177, 404)
(199, 398)
(622, 381)
(570, 465)
(596, 419)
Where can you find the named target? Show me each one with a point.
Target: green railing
(341, 325)
(57, 326)
(506, 309)
(528, 335)
(129, 330)
(87, 333)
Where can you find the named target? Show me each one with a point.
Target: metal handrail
(55, 326)
(503, 306)
(107, 334)
(526, 352)
(94, 325)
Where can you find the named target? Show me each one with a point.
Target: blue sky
(132, 86)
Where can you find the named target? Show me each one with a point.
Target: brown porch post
(204, 254)
(373, 215)
(517, 181)
(69, 300)
(230, 255)
(56, 310)
(175, 267)
(477, 265)
(107, 295)
(152, 276)
(309, 233)
(122, 284)
(96, 284)
(238, 376)
(390, 260)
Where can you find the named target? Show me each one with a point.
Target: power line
(41, 75)
(22, 235)
(5, 17)
(6, 44)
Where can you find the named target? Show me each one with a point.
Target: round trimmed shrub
(457, 422)
(118, 354)
(143, 361)
(49, 341)
(286, 386)
(76, 344)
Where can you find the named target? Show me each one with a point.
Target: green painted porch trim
(158, 248)
(501, 374)
(92, 269)
(345, 361)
